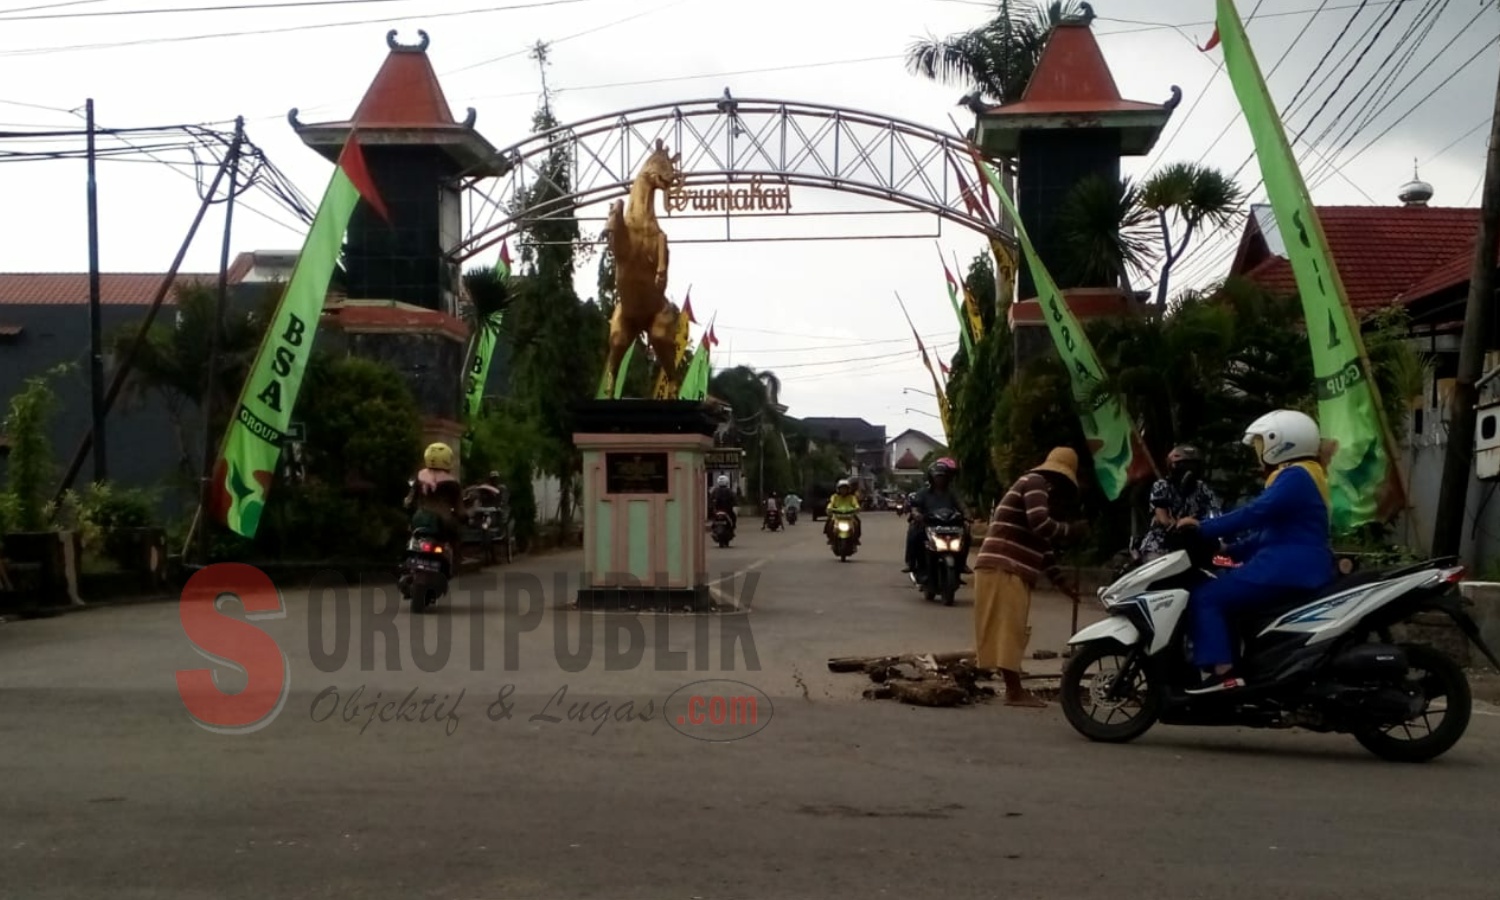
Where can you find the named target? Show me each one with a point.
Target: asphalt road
(110, 789)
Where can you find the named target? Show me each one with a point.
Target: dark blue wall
(140, 443)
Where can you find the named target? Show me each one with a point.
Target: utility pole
(1453, 494)
(96, 337)
(210, 445)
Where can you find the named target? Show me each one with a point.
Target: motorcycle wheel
(1150, 691)
(1442, 678)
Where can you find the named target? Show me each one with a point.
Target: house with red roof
(1414, 255)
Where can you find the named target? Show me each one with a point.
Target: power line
(6, 15)
(110, 45)
(1158, 26)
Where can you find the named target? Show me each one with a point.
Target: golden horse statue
(640, 251)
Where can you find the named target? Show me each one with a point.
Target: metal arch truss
(729, 141)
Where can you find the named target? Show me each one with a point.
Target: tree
(172, 363)
(754, 397)
(974, 390)
(363, 431)
(997, 59)
(1186, 198)
(1108, 234)
(556, 337)
(30, 465)
(508, 442)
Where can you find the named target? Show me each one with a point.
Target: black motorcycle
(938, 572)
(791, 515)
(425, 569)
(772, 521)
(1326, 661)
(722, 528)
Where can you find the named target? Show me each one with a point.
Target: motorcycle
(1320, 660)
(772, 521)
(791, 515)
(942, 557)
(844, 543)
(722, 528)
(425, 570)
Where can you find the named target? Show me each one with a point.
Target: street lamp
(922, 412)
(911, 390)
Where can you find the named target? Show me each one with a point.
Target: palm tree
(755, 398)
(1187, 197)
(1108, 233)
(997, 59)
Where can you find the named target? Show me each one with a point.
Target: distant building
(864, 442)
(905, 452)
(44, 322)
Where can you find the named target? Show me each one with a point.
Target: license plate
(425, 564)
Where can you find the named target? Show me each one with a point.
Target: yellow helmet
(438, 456)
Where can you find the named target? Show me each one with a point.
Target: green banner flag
(252, 445)
(482, 353)
(619, 376)
(1364, 483)
(695, 382)
(1118, 457)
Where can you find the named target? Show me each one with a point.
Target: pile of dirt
(933, 679)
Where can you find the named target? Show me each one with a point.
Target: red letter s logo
(234, 643)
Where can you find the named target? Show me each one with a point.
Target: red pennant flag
(712, 339)
(1212, 41)
(943, 367)
(352, 161)
(505, 253)
(687, 307)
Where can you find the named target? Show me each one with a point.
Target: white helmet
(1285, 435)
(723, 481)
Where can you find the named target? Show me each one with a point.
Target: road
(111, 790)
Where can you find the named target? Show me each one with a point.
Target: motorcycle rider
(1181, 494)
(772, 505)
(793, 505)
(436, 496)
(1287, 547)
(936, 497)
(721, 500)
(843, 501)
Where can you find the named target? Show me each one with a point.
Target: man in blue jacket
(1287, 546)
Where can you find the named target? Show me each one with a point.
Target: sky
(821, 314)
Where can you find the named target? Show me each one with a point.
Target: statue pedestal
(645, 501)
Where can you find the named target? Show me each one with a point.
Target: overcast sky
(821, 314)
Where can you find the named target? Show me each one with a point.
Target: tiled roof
(1072, 77)
(72, 288)
(405, 94)
(1384, 253)
(1449, 275)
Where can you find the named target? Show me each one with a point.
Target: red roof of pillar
(1072, 77)
(405, 93)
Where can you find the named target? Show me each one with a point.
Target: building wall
(140, 444)
(1050, 164)
(1425, 446)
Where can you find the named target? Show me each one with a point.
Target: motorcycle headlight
(843, 527)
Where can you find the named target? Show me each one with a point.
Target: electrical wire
(6, 15)
(111, 45)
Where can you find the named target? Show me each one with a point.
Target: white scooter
(1325, 661)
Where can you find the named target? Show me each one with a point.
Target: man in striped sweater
(1020, 545)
